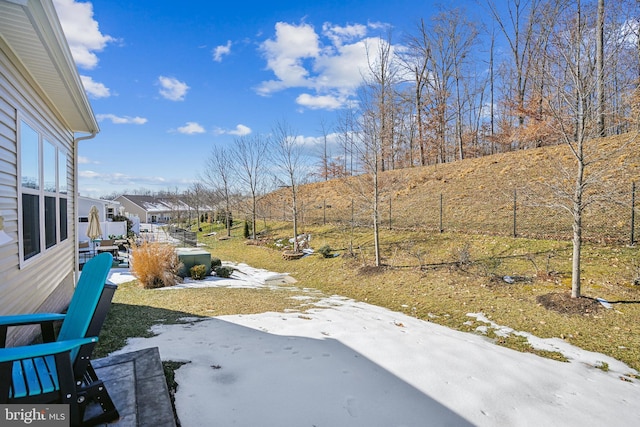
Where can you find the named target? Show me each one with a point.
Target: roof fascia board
(61, 54)
(46, 26)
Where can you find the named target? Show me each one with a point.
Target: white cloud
(285, 55)
(314, 145)
(121, 120)
(86, 161)
(319, 102)
(82, 31)
(628, 32)
(331, 64)
(222, 50)
(343, 68)
(338, 35)
(89, 174)
(240, 130)
(121, 179)
(191, 128)
(95, 89)
(172, 88)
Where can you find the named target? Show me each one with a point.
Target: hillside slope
(478, 195)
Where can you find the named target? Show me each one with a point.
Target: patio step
(137, 385)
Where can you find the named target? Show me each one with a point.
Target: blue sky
(168, 81)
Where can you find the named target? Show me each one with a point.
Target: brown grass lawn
(442, 277)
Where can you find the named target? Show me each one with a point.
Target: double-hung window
(43, 192)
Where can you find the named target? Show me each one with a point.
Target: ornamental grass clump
(156, 265)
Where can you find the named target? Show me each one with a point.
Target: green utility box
(193, 256)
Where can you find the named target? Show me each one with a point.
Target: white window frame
(60, 191)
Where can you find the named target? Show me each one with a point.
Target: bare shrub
(155, 265)
(416, 251)
(462, 256)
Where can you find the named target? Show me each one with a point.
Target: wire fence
(516, 213)
(186, 238)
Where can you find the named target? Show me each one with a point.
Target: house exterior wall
(160, 216)
(45, 281)
(109, 228)
(133, 209)
(85, 204)
(107, 209)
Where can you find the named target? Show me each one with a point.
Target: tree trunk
(227, 214)
(376, 229)
(491, 102)
(418, 101)
(579, 153)
(600, 67)
(577, 232)
(253, 216)
(295, 219)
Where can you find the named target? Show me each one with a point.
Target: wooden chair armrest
(30, 319)
(45, 320)
(42, 350)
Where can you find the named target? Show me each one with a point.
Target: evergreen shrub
(224, 272)
(198, 271)
(325, 251)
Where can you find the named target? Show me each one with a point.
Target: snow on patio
(347, 363)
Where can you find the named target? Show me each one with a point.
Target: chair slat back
(86, 296)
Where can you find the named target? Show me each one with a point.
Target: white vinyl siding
(44, 282)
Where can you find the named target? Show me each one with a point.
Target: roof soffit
(32, 30)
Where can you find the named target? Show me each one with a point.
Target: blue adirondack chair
(59, 370)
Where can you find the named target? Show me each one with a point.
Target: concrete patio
(137, 386)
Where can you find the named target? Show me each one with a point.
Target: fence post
(352, 214)
(324, 212)
(389, 213)
(515, 204)
(352, 225)
(441, 213)
(633, 211)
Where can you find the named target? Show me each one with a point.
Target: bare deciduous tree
(251, 152)
(573, 81)
(518, 29)
(325, 155)
(600, 67)
(288, 157)
(374, 128)
(346, 130)
(219, 173)
(415, 60)
(196, 197)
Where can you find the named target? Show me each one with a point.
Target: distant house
(107, 210)
(44, 114)
(152, 209)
